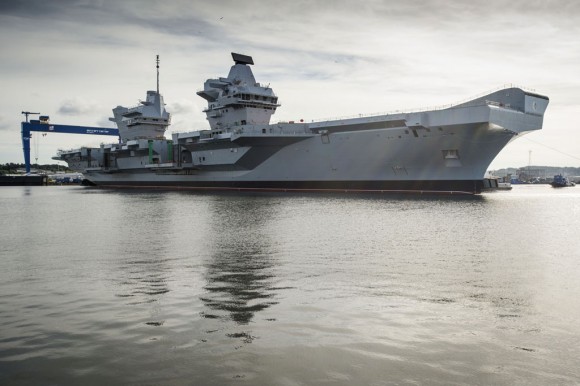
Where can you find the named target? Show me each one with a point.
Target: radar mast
(157, 74)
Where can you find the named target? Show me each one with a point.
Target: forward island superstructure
(443, 150)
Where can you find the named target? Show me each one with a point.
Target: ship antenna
(157, 74)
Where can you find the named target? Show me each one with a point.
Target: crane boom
(43, 126)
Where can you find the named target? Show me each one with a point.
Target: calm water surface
(169, 288)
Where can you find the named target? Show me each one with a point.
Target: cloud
(322, 61)
(4, 124)
(104, 122)
(186, 115)
(77, 106)
(183, 106)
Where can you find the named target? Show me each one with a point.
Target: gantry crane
(43, 125)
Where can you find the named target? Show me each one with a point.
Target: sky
(75, 60)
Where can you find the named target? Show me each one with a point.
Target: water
(169, 288)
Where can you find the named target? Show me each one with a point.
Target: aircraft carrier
(445, 150)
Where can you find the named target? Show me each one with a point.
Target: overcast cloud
(77, 106)
(4, 123)
(76, 60)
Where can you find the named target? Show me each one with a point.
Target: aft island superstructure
(442, 150)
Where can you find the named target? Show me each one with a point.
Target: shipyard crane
(43, 125)
(27, 113)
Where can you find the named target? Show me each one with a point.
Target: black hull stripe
(429, 187)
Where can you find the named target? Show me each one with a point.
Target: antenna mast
(157, 74)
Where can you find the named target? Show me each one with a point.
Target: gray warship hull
(440, 151)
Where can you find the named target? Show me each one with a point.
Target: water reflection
(143, 269)
(144, 280)
(240, 273)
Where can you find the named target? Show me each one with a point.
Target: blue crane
(43, 125)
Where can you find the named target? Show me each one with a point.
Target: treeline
(10, 168)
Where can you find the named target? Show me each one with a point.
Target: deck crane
(43, 125)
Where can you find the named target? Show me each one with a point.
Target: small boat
(504, 185)
(501, 183)
(561, 182)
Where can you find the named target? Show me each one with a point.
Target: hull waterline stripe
(300, 190)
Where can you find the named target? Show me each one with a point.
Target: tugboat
(561, 182)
